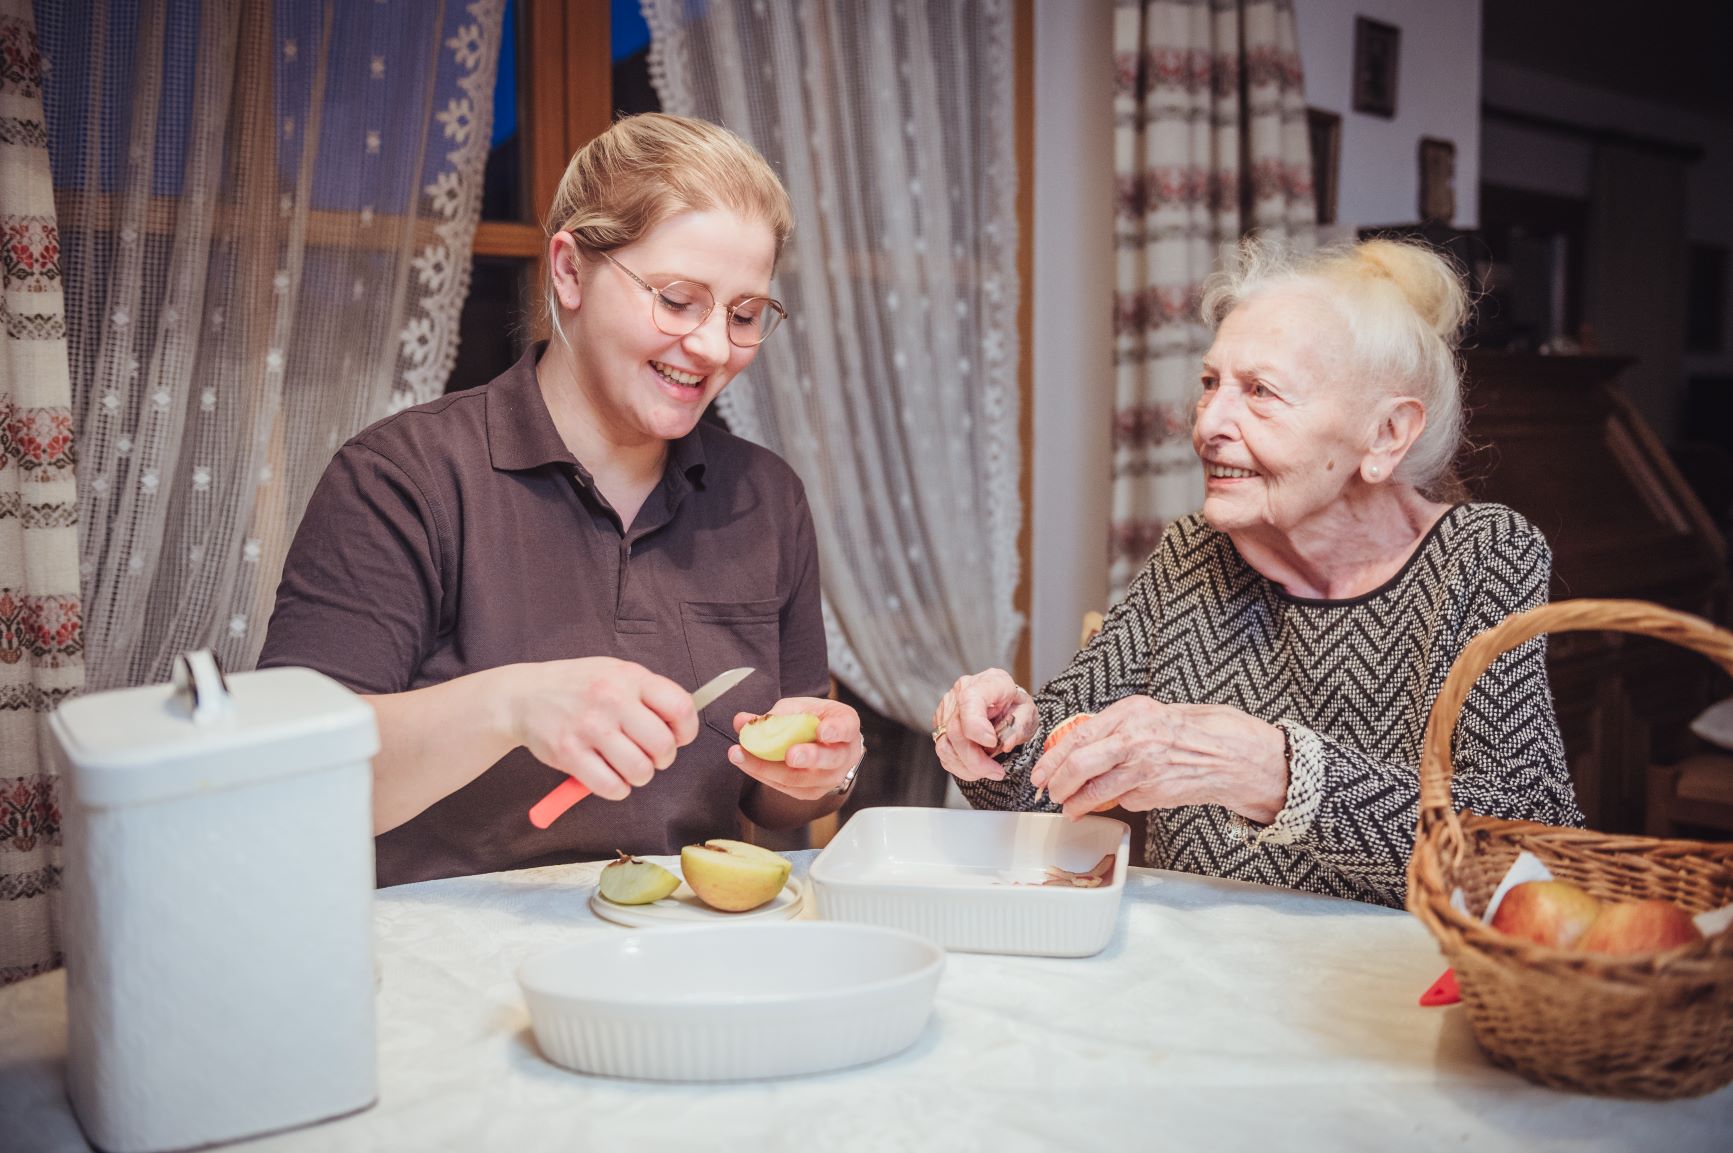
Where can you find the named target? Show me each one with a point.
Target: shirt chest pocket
(722, 635)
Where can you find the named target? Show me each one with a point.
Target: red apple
(1063, 727)
(1554, 913)
(1639, 927)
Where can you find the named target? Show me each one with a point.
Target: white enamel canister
(219, 906)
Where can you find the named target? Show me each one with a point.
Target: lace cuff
(1305, 751)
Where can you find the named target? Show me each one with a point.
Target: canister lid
(129, 746)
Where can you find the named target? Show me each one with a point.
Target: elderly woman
(1264, 685)
(528, 579)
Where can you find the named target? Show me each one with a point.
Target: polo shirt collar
(521, 433)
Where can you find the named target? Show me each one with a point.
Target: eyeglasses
(681, 308)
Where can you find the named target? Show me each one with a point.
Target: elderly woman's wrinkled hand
(1140, 753)
(981, 716)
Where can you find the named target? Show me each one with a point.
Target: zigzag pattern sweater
(1351, 682)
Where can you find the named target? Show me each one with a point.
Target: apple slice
(629, 881)
(734, 876)
(771, 736)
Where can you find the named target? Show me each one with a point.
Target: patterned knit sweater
(1351, 682)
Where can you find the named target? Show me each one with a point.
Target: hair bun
(1428, 281)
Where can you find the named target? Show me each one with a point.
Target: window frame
(567, 99)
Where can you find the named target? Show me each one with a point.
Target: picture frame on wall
(1376, 47)
(1325, 131)
(1437, 180)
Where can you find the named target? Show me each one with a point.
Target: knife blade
(571, 790)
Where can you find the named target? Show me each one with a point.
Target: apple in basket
(1639, 927)
(734, 876)
(1554, 913)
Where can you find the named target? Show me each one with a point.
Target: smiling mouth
(1225, 472)
(674, 376)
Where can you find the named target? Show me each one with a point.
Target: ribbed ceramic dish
(971, 880)
(731, 1002)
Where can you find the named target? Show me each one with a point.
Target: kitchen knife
(571, 790)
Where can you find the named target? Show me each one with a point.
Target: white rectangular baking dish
(970, 880)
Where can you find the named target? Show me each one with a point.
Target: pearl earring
(1374, 471)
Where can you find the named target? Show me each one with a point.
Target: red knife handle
(564, 795)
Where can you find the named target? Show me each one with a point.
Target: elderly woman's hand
(980, 716)
(814, 769)
(1140, 753)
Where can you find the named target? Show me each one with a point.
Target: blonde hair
(647, 168)
(1405, 305)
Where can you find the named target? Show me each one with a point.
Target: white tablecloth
(1222, 1016)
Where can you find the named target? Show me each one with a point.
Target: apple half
(771, 736)
(734, 876)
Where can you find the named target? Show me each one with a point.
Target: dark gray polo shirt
(462, 535)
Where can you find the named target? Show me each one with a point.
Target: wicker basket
(1658, 1025)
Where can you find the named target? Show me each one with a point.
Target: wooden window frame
(565, 51)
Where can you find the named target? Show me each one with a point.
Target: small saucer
(683, 907)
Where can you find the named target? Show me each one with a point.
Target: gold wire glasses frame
(681, 308)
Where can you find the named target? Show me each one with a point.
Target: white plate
(731, 1002)
(682, 906)
(972, 880)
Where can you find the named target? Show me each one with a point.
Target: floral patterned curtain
(41, 637)
(1209, 142)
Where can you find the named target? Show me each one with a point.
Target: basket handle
(1621, 616)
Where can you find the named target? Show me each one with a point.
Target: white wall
(1073, 333)
(1540, 161)
(1437, 95)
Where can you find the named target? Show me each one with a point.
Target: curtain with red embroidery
(41, 636)
(1209, 143)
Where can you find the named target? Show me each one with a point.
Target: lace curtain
(41, 641)
(1209, 126)
(893, 389)
(266, 209)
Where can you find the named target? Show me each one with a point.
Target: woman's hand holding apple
(1141, 753)
(810, 769)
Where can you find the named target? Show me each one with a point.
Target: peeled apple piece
(771, 736)
(629, 881)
